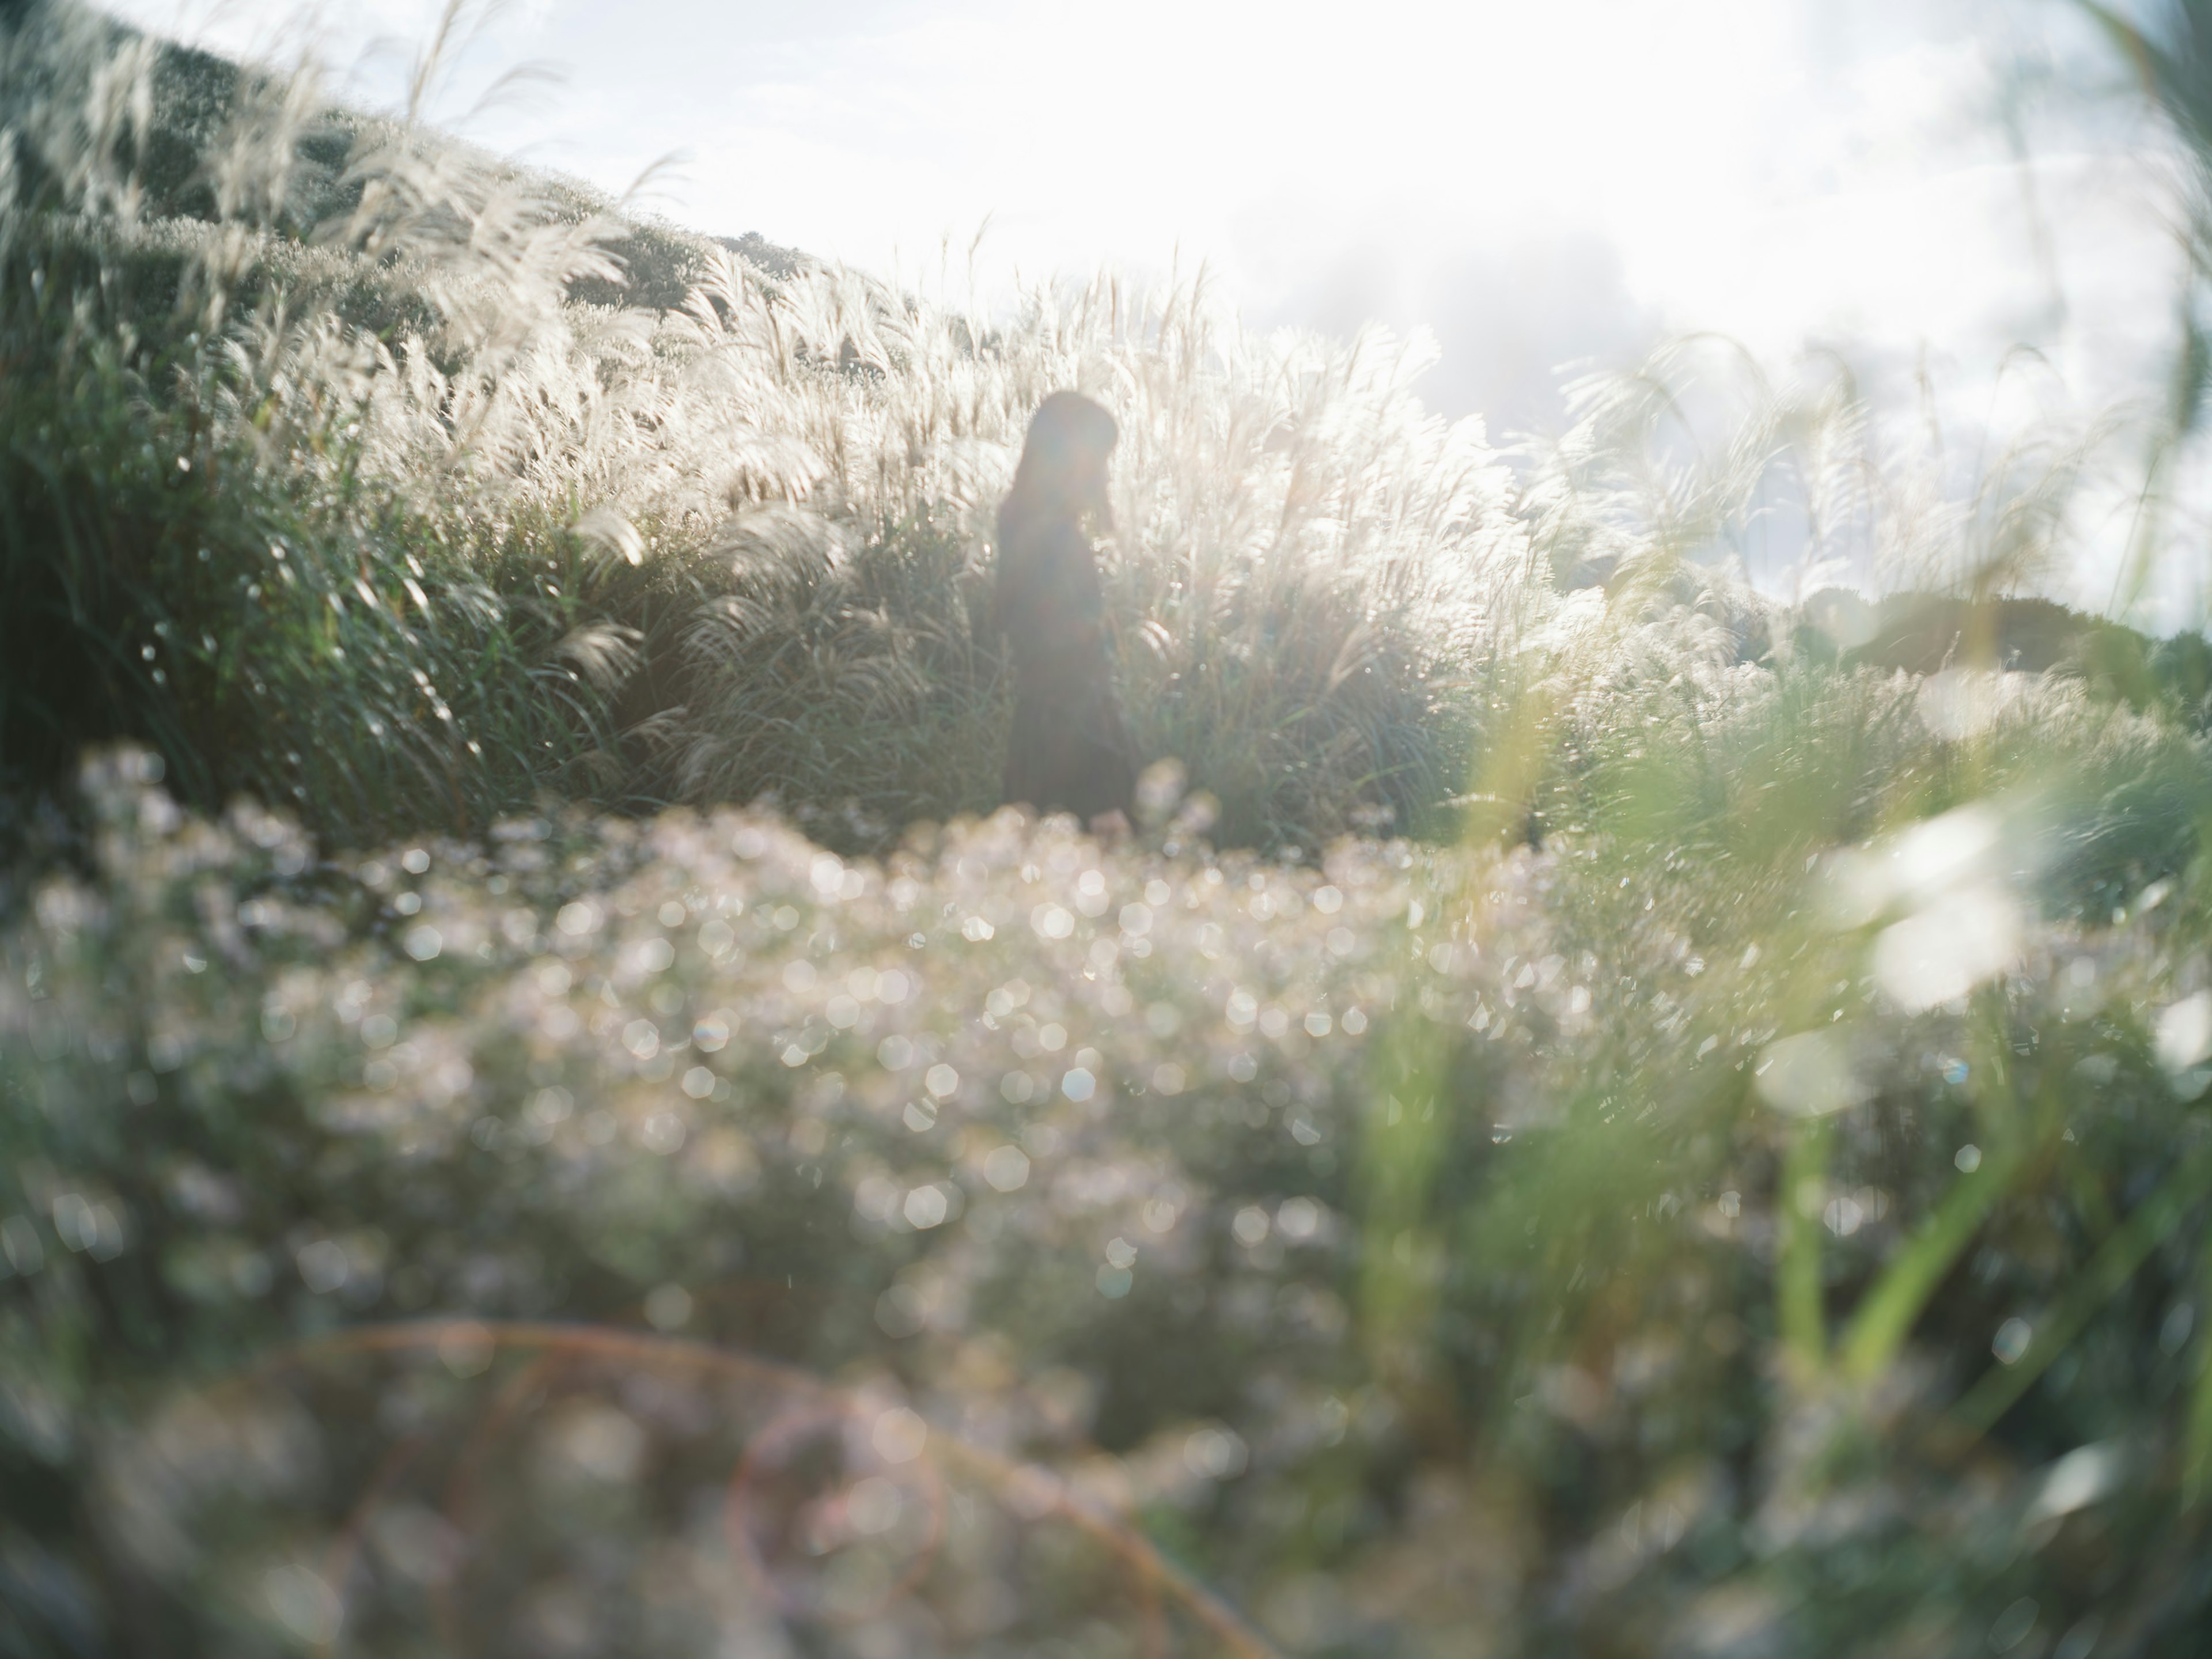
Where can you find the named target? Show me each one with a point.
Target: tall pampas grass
(778, 493)
(358, 469)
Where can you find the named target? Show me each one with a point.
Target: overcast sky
(1922, 184)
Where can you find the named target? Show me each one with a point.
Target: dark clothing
(1070, 751)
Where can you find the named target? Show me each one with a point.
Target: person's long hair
(1062, 472)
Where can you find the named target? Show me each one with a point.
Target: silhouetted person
(1070, 751)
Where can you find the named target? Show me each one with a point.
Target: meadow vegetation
(338, 487)
(541, 1107)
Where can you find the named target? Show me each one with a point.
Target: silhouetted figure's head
(1063, 466)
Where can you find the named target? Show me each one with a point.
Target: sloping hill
(640, 520)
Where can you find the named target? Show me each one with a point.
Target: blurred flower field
(670, 1234)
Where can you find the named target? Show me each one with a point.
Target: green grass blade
(2148, 1224)
(1885, 1316)
(1799, 1302)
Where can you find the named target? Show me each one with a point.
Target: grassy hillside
(728, 536)
(542, 1110)
(338, 474)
